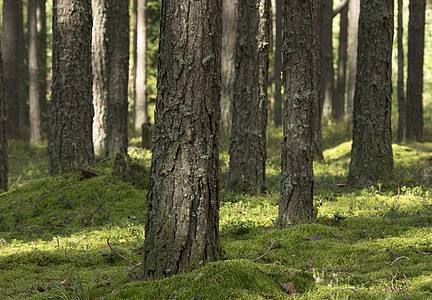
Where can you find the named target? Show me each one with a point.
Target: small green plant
(73, 288)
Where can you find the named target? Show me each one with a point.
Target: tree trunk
(277, 39)
(134, 21)
(42, 55)
(110, 75)
(182, 225)
(296, 203)
(338, 104)
(100, 75)
(353, 16)
(13, 65)
(248, 132)
(71, 144)
(400, 80)
(319, 93)
(327, 70)
(372, 156)
(3, 139)
(229, 30)
(34, 92)
(141, 113)
(414, 99)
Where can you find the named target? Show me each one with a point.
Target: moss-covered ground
(54, 234)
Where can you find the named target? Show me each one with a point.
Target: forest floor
(62, 237)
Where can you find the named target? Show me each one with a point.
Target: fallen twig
(89, 174)
(400, 257)
(121, 256)
(268, 249)
(93, 212)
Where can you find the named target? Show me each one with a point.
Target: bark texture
(141, 113)
(33, 64)
(110, 76)
(400, 79)
(327, 70)
(277, 40)
(228, 54)
(13, 65)
(414, 97)
(338, 103)
(296, 203)
(248, 132)
(3, 139)
(71, 117)
(353, 17)
(372, 156)
(319, 91)
(182, 229)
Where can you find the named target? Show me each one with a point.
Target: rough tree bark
(228, 54)
(3, 139)
(353, 17)
(33, 64)
(71, 145)
(248, 132)
(296, 203)
(182, 230)
(372, 156)
(110, 75)
(414, 97)
(13, 65)
(338, 103)
(400, 79)
(277, 39)
(141, 113)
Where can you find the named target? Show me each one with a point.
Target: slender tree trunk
(182, 229)
(100, 75)
(134, 21)
(228, 54)
(414, 97)
(296, 203)
(248, 132)
(400, 81)
(319, 94)
(338, 105)
(327, 70)
(42, 55)
(141, 113)
(34, 92)
(118, 66)
(277, 39)
(71, 144)
(3, 139)
(13, 65)
(372, 156)
(353, 16)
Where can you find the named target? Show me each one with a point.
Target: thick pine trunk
(353, 17)
(414, 97)
(248, 132)
(110, 75)
(372, 156)
(13, 65)
(141, 112)
(296, 203)
(71, 117)
(34, 92)
(319, 93)
(3, 139)
(182, 226)
(400, 80)
(338, 104)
